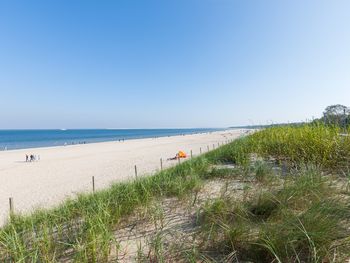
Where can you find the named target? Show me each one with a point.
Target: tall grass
(317, 144)
(300, 222)
(297, 145)
(303, 220)
(83, 229)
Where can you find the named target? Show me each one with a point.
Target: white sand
(66, 170)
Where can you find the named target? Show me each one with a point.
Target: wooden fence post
(191, 154)
(200, 150)
(93, 184)
(11, 205)
(208, 147)
(135, 171)
(161, 164)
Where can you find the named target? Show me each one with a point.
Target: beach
(64, 171)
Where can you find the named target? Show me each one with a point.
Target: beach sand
(64, 171)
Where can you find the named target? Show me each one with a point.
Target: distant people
(27, 158)
(31, 158)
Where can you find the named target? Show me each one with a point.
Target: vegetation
(336, 115)
(301, 222)
(293, 206)
(295, 145)
(84, 228)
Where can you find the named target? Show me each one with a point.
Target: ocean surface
(22, 139)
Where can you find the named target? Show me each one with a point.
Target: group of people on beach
(32, 158)
(73, 143)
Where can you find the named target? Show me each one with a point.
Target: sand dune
(64, 171)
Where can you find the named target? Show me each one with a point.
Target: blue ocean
(21, 139)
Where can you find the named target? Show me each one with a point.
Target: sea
(22, 139)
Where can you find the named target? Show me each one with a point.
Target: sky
(171, 64)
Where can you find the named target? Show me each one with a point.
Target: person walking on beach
(27, 158)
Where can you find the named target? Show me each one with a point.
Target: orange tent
(181, 154)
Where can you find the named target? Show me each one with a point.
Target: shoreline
(65, 171)
(83, 141)
(109, 141)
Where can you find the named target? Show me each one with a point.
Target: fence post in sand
(11, 205)
(135, 171)
(200, 150)
(191, 154)
(161, 164)
(178, 159)
(93, 184)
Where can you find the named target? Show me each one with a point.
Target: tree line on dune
(338, 115)
(333, 115)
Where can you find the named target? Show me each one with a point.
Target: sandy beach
(64, 171)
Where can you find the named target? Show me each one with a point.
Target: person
(27, 157)
(174, 158)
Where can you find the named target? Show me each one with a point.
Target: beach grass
(85, 226)
(302, 221)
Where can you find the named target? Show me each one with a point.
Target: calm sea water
(21, 139)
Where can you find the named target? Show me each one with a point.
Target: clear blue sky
(180, 63)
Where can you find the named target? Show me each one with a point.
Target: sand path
(67, 170)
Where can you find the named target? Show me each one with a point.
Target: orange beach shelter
(181, 154)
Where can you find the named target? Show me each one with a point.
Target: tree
(337, 115)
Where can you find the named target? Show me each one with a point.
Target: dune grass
(84, 228)
(296, 217)
(304, 221)
(303, 218)
(317, 144)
